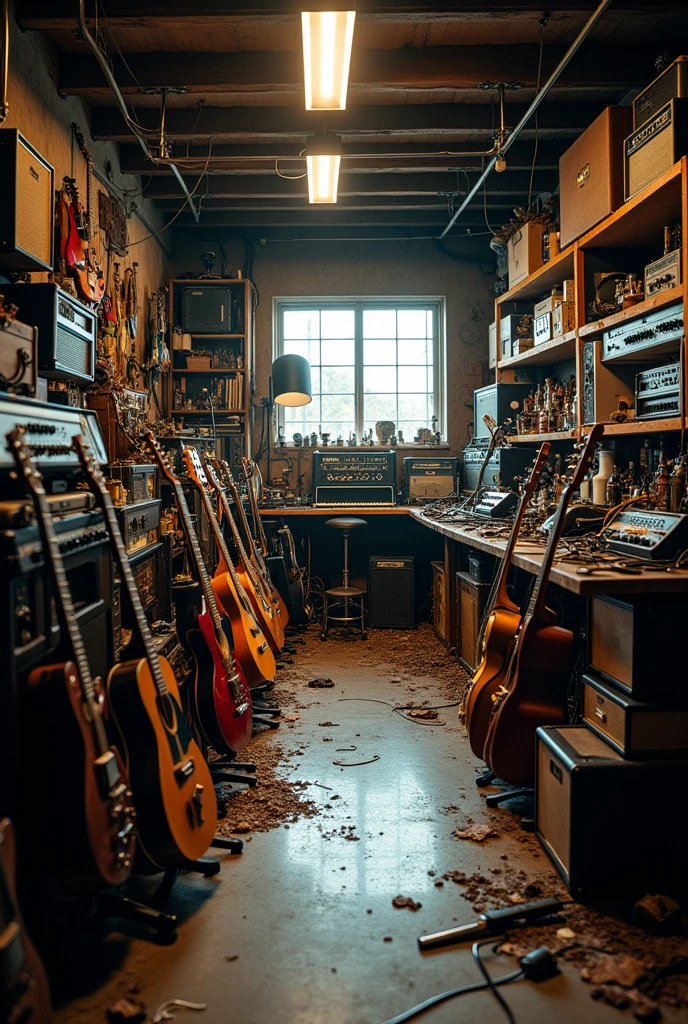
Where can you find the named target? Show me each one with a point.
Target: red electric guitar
(222, 699)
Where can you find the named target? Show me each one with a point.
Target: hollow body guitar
(251, 649)
(173, 790)
(221, 699)
(535, 685)
(93, 814)
(501, 623)
(266, 612)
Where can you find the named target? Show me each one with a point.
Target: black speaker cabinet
(611, 827)
(26, 210)
(390, 592)
(207, 308)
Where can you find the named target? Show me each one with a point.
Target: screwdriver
(492, 922)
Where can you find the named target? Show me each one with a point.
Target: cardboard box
(542, 328)
(570, 291)
(546, 306)
(521, 344)
(564, 319)
(198, 362)
(508, 329)
(525, 252)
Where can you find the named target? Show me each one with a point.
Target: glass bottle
(613, 491)
(678, 483)
(661, 483)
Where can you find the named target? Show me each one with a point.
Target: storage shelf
(215, 337)
(207, 372)
(558, 435)
(642, 427)
(556, 350)
(654, 302)
(557, 270)
(640, 220)
(207, 412)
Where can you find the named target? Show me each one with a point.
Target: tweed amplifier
(633, 728)
(354, 478)
(588, 802)
(139, 481)
(671, 84)
(658, 392)
(18, 355)
(644, 337)
(655, 146)
(26, 211)
(427, 478)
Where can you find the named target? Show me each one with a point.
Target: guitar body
(96, 845)
(267, 614)
(24, 996)
(535, 696)
(177, 810)
(214, 702)
(498, 644)
(251, 649)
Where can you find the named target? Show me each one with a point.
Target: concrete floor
(308, 915)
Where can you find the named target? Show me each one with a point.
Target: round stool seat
(346, 523)
(346, 591)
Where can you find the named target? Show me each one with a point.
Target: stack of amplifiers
(140, 481)
(427, 478)
(644, 337)
(354, 478)
(504, 465)
(658, 392)
(140, 527)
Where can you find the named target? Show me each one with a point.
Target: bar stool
(342, 596)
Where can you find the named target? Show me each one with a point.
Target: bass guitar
(94, 815)
(534, 689)
(221, 699)
(24, 994)
(175, 798)
(266, 612)
(500, 625)
(251, 649)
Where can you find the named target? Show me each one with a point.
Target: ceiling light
(323, 156)
(327, 39)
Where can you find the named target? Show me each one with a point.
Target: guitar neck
(536, 605)
(197, 555)
(253, 502)
(241, 512)
(222, 547)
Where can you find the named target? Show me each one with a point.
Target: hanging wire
(181, 209)
(290, 177)
(543, 22)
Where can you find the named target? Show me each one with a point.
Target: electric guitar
(500, 625)
(250, 646)
(75, 245)
(90, 281)
(266, 611)
(497, 437)
(175, 798)
(534, 689)
(93, 813)
(24, 994)
(221, 698)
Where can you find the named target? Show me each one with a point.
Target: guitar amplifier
(18, 357)
(635, 729)
(671, 84)
(655, 146)
(608, 825)
(26, 211)
(147, 567)
(658, 392)
(139, 481)
(643, 338)
(426, 478)
(67, 330)
(139, 524)
(504, 466)
(207, 308)
(391, 602)
(354, 478)
(647, 534)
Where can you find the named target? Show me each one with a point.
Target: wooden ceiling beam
(321, 220)
(502, 205)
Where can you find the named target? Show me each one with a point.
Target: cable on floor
(399, 709)
(475, 950)
(451, 993)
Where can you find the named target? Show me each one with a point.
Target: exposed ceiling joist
(308, 217)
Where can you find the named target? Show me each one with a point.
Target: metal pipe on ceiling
(134, 128)
(565, 60)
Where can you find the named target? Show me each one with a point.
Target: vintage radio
(471, 598)
(671, 84)
(647, 534)
(655, 146)
(525, 251)
(26, 211)
(208, 308)
(633, 728)
(504, 466)
(644, 337)
(354, 478)
(140, 525)
(391, 602)
(67, 330)
(426, 478)
(658, 392)
(17, 356)
(591, 183)
(500, 401)
(663, 273)
(621, 647)
(139, 481)
(122, 414)
(496, 504)
(588, 804)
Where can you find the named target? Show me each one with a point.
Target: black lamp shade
(291, 380)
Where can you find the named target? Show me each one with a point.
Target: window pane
(338, 380)
(413, 407)
(338, 407)
(379, 378)
(415, 351)
(310, 350)
(380, 323)
(301, 323)
(338, 352)
(412, 323)
(380, 350)
(411, 378)
(337, 323)
(379, 407)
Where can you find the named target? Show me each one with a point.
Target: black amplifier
(427, 478)
(504, 465)
(647, 534)
(658, 392)
(139, 481)
(391, 592)
(354, 478)
(644, 337)
(140, 525)
(67, 330)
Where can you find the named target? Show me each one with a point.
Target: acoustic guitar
(251, 649)
(24, 993)
(534, 689)
(221, 699)
(94, 814)
(500, 625)
(173, 789)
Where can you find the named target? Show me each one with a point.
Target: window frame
(436, 303)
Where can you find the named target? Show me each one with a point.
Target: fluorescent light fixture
(323, 156)
(327, 39)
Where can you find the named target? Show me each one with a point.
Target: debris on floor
(405, 901)
(320, 683)
(127, 1011)
(476, 833)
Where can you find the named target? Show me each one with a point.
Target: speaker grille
(34, 205)
(72, 353)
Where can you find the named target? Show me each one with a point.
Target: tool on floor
(492, 922)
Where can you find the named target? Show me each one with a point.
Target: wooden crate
(471, 599)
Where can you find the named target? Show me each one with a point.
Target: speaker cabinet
(656, 146)
(471, 599)
(26, 211)
(390, 592)
(207, 309)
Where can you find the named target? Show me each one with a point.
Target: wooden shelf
(557, 270)
(215, 337)
(641, 219)
(655, 302)
(212, 373)
(207, 412)
(559, 435)
(642, 427)
(556, 350)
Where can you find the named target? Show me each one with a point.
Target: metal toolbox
(633, 728)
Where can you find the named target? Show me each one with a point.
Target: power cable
(181, 209)
(475, 950)
(451, 993)
(543, 22)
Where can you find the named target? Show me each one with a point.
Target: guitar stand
(263, 720)
(219, 775)
(485, 777)
(225, 843)
(288, 648)
(495, 799)
(267, 709)
(240, 766)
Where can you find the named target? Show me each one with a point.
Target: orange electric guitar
(266, 611)
(534, 689)
(251, 649)
(500, 625)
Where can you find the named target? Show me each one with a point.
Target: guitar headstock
(23, 460)
(80, 141)
(538, 466)
(210, 475)
(194, 467)
(586, 456)
(161, 457)
(89, 464)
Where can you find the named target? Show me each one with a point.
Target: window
(371, 361)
